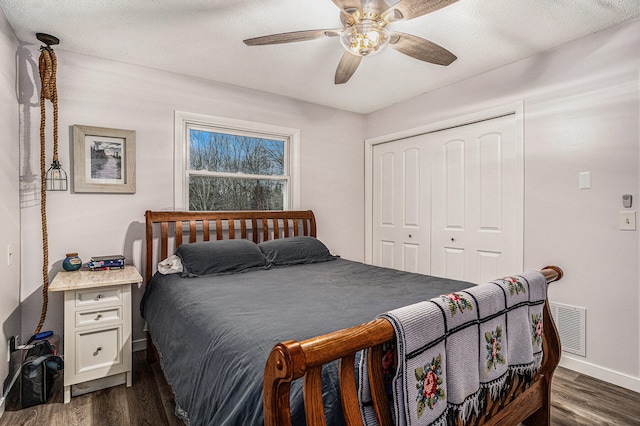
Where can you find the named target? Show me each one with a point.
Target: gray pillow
(219, 257)
(294, 251)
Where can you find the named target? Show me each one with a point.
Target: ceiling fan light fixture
(364, 38)
(363, 33)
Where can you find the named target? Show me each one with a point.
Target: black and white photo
(104, 160)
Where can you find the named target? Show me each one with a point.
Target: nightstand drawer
(98, 317)
(98, 295)
(99, 349)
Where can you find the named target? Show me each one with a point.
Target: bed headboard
(176, 228)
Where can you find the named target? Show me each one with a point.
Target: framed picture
(104, 160)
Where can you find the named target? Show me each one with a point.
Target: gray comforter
(214, 333)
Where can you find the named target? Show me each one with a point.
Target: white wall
(581, 104)
(9, 198)
(103, 93)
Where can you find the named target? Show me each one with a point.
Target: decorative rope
(47, 66)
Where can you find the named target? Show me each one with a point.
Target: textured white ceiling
(203, 38)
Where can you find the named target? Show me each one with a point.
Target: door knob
(453, 239)
(409, 235)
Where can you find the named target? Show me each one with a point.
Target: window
(224, 164)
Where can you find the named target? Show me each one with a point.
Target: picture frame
(104, 160)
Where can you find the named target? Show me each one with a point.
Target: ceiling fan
(365, 33)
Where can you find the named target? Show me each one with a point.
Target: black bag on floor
(39, 370)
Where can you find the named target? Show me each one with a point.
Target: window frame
(187, 120)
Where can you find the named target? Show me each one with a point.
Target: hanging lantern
(56, 177)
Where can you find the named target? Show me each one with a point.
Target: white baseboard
(139, 345)
(610, 376)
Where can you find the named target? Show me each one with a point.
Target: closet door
(477, 201)
(401, 186)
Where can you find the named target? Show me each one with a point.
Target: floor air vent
(571, 324)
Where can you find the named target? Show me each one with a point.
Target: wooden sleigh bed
(526, 401)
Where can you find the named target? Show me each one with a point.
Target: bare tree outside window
(233, 172)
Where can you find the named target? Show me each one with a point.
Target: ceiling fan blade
(348, 6)
(421, 49)
(291, 37)
(347, 66)
(409, 9)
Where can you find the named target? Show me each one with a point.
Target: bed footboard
(527, 402)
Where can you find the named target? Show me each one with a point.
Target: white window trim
(182, 119)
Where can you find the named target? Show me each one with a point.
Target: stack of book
(100, 263)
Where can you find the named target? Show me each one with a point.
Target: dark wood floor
(146, 402)
(577, 400)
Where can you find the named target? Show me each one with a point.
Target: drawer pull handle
(98, 316)
(98, 349)
(99, 296)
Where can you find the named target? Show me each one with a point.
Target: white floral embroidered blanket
(453, 349)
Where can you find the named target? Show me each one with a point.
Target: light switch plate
(628, 220)
(584, 180)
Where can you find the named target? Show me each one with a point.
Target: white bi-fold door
(401, 185)
(450, 203)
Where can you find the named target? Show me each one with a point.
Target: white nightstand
(97, 327)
